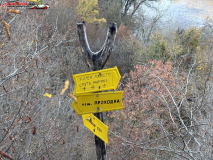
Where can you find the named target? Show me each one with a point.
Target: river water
(184, 13)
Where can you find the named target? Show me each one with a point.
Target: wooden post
(96, 61)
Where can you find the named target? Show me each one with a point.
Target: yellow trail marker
(96, 126)
(98, 102)
(105, 79)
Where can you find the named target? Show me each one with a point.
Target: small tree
(157, 121)
(89, 11)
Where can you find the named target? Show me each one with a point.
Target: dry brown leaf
(66, 85)
(28, 120)
(148, 132)
(48, 95)
(6, 155)
(6, 26)
(34, 130)
(14, 11)
(11, 138)
(73, 97)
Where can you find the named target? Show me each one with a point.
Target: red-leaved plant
(150, 100)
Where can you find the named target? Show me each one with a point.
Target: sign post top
(101, 80)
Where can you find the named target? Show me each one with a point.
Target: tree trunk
(96, 61)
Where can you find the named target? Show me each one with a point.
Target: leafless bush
(41, 54)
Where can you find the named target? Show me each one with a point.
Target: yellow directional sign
(105, 79)
(96, 126)
(98, 102)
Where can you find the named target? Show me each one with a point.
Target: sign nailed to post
(96, 126)
(98, 102)
(105, 79)
(87, 102)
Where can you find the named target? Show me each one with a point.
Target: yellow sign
(96, 126)
(105, 79)
(98, 102)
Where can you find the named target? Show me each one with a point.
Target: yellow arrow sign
(96, 126)
(98, 102)
(105, 79)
